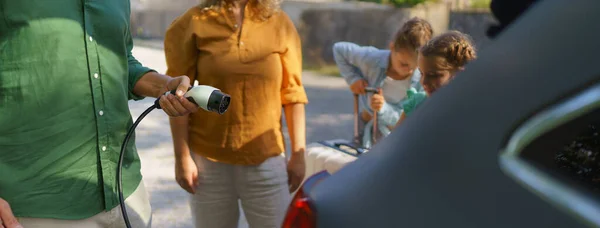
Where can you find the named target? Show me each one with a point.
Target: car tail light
(301, 213)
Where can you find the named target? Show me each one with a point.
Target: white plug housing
(201, 94)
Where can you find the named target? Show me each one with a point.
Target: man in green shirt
(66, 75)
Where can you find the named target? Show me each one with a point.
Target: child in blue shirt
(439, 61)
(393, 71)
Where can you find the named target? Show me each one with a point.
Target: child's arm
(405, 107)
(350, 58)
(402, 117)
(416, 80)
(389, 114)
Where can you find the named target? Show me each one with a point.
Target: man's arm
(151, 84)
(144, 82)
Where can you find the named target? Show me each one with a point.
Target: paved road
(329, 115)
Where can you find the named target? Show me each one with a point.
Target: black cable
(215, 100)
(120, 164)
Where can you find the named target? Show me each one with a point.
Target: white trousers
(138, 210)
(262, 190)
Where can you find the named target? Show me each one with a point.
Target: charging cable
(206, 97)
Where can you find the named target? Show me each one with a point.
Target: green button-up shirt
(66, 75)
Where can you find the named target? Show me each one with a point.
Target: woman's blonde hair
(455, 49)
(261, 9)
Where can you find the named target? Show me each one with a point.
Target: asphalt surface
(328, 116)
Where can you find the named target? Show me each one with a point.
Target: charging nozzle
(206, 97)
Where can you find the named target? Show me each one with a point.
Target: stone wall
(362, 23)
(322, 23)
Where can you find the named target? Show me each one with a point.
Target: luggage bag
(332, 155)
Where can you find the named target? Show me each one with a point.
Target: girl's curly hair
(454, 47)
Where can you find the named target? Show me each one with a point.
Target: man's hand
(377, 101)
(7, 219)
(358, 87)
(296, 168)
(186, 173)
(177, 105)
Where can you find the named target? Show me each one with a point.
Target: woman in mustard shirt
(251, 50)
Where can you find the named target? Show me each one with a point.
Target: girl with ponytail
(439, 61)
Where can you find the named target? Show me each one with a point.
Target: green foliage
(407, 3)
(480, 4)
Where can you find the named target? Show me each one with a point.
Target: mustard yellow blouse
(259, 65)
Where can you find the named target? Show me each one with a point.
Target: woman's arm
(179, 132)
(293, 99)
(295, 120)
(186, 171)
(181, 57)
(296, 123)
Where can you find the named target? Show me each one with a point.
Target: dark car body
(456, 163)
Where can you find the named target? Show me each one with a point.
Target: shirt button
(104, 148)
(241, 43)
(91, 39)
(96, 75)
(101, 112)
(235, 26)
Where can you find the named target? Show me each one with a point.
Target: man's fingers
(183, 86)
(189, 105)
(7, 219)
(176, 103)
(166, 106)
